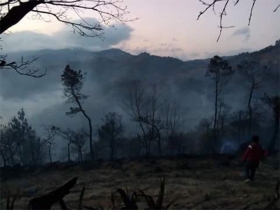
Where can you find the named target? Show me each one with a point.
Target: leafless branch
(21, 67)
(107, 10)
(223, 13)
(251, 12)
(276, 8)
(225, 5)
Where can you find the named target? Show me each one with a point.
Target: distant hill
(110, 70)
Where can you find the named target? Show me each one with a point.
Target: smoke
(229, 147)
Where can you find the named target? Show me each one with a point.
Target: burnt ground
(202, 182)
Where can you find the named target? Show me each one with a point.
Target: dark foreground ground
(203, 183)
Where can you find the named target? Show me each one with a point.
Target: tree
(239, 123)
(274, 103)
(223, 113)
(224, 4)
(204, 128)
(78, 142)
(48, 139)
(255, 75)
(111, 131)
(144, 108)
(68, 135)
(19, 126)
(133, 106)
(73, 82)
(219, 71)
(8, 145)
(19, 142)
(172, 123)
(153, 118)
(12, 11)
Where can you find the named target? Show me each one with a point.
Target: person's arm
(246, 154)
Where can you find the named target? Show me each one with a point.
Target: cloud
(162, 49)
(194, 55)
(227, 53)
(243, 32)
(28, 40)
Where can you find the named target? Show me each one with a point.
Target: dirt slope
(202, 182)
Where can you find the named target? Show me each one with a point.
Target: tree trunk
(275, 130)
(20, 153)
(274, 136)
(112, 146)
(159, 141)
(171, 140)
(68, 150)
(4, 159)
(89, 124)
(215, 117)
(50, 154)
(239, 127)
(11, 156)
(90, 137)
(81, 154)
(250, 109)
(17, 13)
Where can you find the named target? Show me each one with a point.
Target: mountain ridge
(116, 53)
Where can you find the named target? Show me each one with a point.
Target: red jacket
(254, 153)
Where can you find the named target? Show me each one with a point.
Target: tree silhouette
(255, 75)
(111, 131)
(220, 71)
(20, 67)
(73, 82)
(274, 103)
(12, 11)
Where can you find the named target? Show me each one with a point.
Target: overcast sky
(164, 27)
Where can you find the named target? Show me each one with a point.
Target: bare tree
(172, 123)
(153, 118)
(73, 82)
(48, 139)
(204, 128)
(12, 11)
(144, 108)
(255, 75)
(78, 142)
(223, 114)
(274, 103)
(224, 5)
(239, 122)
(111, 131)
(68, 135)
(133, 106)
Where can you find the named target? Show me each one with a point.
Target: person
(252, 157)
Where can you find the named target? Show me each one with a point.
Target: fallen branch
(46, 201)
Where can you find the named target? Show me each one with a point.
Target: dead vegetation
(193, 183)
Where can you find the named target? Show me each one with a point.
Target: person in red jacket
(252, 157)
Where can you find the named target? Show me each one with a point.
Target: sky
(163, 27)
